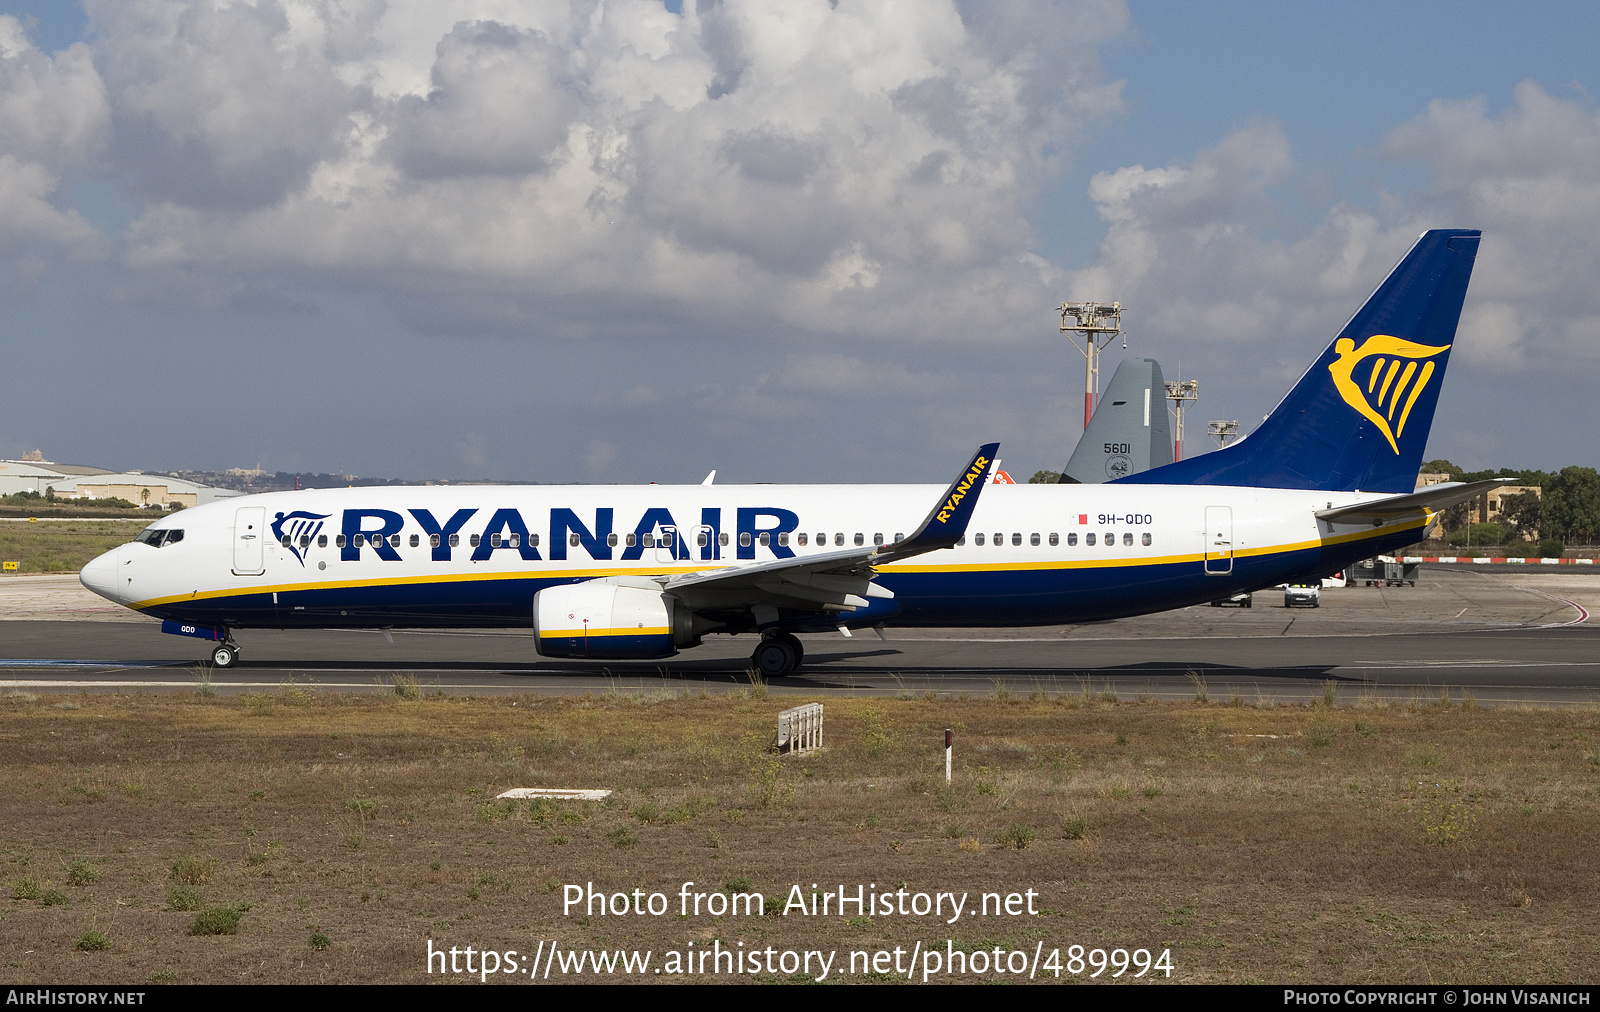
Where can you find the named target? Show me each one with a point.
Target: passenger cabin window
(1111, 539)
(475, 540)
(1055, 539)
(999, 539)
(494, 541)
(666, 539)
(766, 539)
(572, 540)
(1127, 540)
(802, 541)
(338, 541)
(1145, 538)
(861, 539)
(516, 541)
(631, 540)
(1033, 539)
(1072, 540)
(838, 539)
(286, 541)
(455, 541)
(415, 541)
(783, 537)
(433, 540)
(959, 541)
(899, 536)
(533, 539)
(394, 541)
(744, 539)
(648, 540)
(977, 539)
(305, 541)
(1016, 539)
(611, 540)
(322, 541)
(704, 539)
(1088, 539)
(722, 539)
(877, 539)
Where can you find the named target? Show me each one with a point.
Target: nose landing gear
(778, 655)
(225, 655)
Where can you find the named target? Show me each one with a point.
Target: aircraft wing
(842, 580)
(1429, 500)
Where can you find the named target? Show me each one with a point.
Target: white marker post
(947, 736)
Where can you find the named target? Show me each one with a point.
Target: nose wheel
(226, 655)
(778, 656)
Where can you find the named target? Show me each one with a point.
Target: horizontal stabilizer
(1431, 499)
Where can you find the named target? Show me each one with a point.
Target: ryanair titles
(478, 534)
(959, 492)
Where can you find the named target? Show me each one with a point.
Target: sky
(635, 241)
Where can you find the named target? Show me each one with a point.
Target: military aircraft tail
(1129, 432)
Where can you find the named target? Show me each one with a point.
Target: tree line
(1569, 510)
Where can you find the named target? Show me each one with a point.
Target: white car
(1302, 595)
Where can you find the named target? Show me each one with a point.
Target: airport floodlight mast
(1098, 323)
(1182, 394)
(1223, 432)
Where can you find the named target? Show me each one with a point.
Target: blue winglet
(947, 524)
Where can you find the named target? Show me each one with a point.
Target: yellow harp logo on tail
(1381, 379)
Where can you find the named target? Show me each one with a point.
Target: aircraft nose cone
(100, 575)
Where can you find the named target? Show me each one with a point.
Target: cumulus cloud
(1198, 252)
(53, 117)
(568, 168)
(1216, 256)
(1530, 178)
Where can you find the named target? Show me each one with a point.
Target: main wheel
(225, 655)
(776, 657)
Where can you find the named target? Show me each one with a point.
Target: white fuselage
(1033, 554)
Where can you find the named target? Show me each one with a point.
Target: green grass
(216, 921)
(93, 941)
(64, 546)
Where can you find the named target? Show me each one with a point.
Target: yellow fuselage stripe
(569, 574)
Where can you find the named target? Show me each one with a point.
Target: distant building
(1487, 508)
(73, 481)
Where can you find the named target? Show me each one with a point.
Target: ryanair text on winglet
(979, 463)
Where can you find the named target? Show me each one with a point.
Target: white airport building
(72, 481)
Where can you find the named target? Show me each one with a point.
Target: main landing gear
(778, 656)
(225, 654)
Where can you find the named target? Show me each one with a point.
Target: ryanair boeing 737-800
(609, 573)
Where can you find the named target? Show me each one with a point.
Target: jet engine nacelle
(610, 621)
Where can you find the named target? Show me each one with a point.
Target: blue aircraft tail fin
(1359, 418)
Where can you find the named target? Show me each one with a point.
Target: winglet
(947, 524)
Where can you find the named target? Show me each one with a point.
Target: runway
(1500, 634)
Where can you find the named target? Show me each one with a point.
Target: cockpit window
(155, 538)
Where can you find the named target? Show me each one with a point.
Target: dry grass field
(336, 835)
(63, 546)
